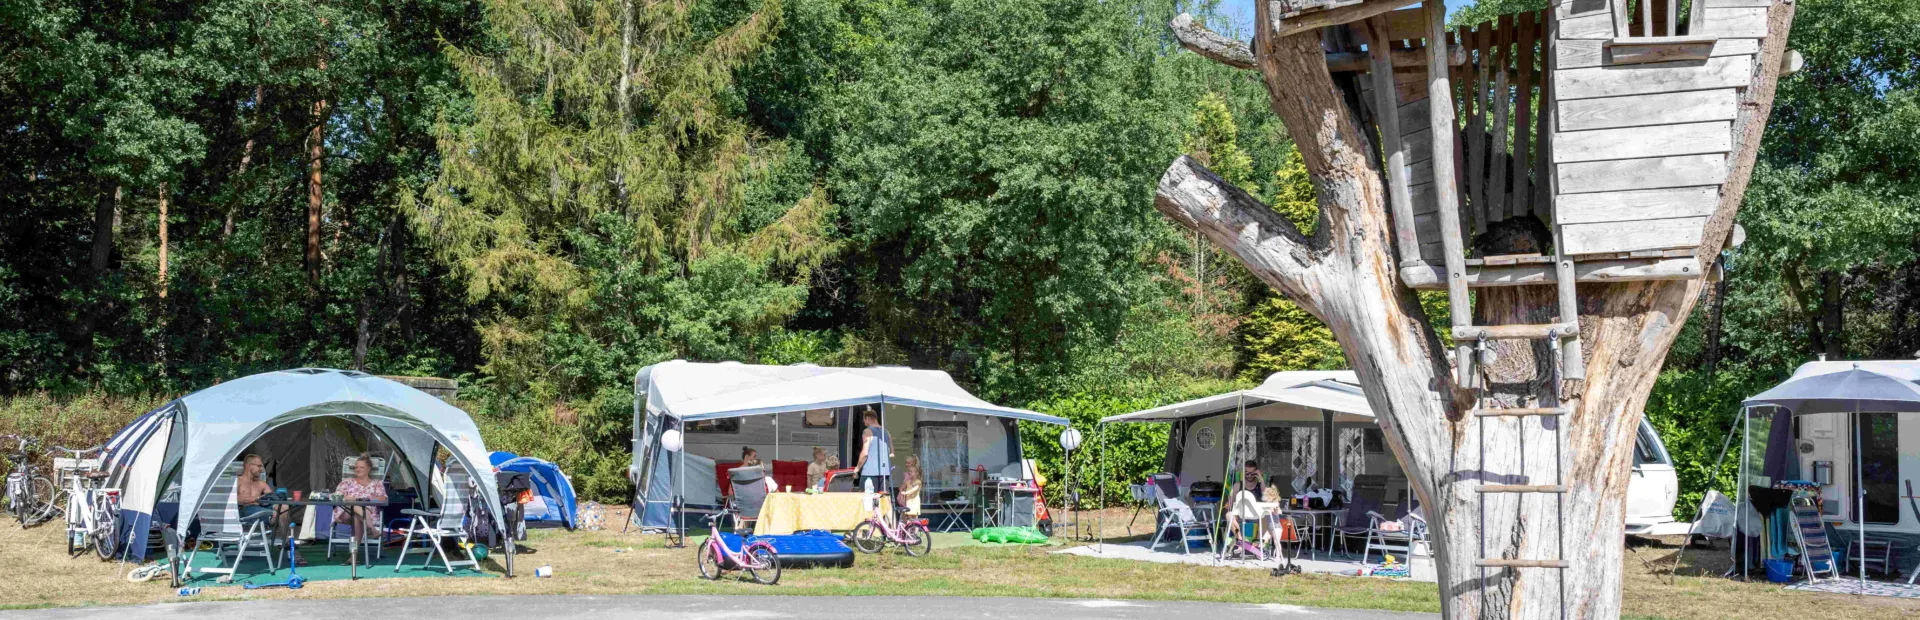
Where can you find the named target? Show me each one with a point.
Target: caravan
(1314, 429)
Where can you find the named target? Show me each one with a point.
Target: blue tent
(551, 484)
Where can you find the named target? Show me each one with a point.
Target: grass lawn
(607, 562)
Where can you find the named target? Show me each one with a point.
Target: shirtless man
(252, 486)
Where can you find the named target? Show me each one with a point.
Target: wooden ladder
(1558, 487)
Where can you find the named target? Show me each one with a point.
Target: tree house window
(1650, 31)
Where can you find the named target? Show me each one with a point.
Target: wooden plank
(1426, 276)
(1597, 26)
(1737, 22)
(1414, 108)
(1285, 26)
(1410, 84)
(1563, 9)
(1655, 173)
(1523, 126)
(1543, 133)
(1420, 172)
(1477, 128)
(1642, 204)
(1643, 51)
(1409, 25)
(1643, 110)
(1445, 183)
(1521, 488)
(1729, 72)
(1593, 53)
(1506, 563)
(1520, 412)
(1720, 4)
(1394, 148)
(1502, 111)
(1642, 142)
(1679, 232)
(1421, 139)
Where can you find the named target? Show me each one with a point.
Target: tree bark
(103, 224)
(162, 280)
(1347, 275)
(246, 160)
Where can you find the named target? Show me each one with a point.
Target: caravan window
(1647, 449)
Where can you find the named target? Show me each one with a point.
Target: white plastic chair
(220, 524)
(434, 528)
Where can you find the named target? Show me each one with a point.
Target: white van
(1654, 488)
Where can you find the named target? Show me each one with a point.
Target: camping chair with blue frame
(222, 525)
(340, 534)
(434, 528)
(1175, 514)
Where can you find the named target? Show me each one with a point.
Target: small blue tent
(556, 503)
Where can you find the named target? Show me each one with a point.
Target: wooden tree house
(1595, 142)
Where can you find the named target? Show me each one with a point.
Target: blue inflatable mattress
(803, 548)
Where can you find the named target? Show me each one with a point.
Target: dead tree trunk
(1347, 275)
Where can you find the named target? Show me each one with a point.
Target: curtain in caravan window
(943, 450)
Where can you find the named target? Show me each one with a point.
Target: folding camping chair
(1361, 517)
(1816, 552)
(221, 524)
(1405, 540)
(436, 527)
(1175, 514)
(749, 494)
(342, 534)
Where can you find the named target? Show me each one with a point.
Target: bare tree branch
(1210, 44)
(1239, 223)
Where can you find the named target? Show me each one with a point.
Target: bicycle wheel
(765, 566)
(868, 539)
(709, 562)
(40, 505)
(106, 530)
(919, 540)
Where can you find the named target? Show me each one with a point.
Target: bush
(86, 420)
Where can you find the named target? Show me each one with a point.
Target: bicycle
(760, 561)
(30, 494)
(874, 534)
(78, 479)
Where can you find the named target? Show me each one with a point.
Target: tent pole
(680, 484)
(1740, 482)
(1100, 532)
(1713, 479)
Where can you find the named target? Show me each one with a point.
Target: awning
(706, 391)
(1331, 390)
(1852, 389)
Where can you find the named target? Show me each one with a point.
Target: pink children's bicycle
(757, 558)
(874, 534)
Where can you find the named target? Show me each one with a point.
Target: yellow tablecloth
(786, 513)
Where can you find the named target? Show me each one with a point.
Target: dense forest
(538, 198)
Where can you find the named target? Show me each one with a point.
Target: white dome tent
(173, 453)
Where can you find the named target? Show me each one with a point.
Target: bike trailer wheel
(765, 566)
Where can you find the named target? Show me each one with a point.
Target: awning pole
(1099, 529)
(680, 482)
(1860, 493)
(1740, 481)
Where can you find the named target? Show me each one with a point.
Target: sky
(1242, 13)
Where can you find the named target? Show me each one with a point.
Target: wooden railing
(1500, 99)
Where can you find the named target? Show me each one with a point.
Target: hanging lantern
(1070, 439)
(671, 440)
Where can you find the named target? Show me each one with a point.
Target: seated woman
(360, 487)
(750, 457)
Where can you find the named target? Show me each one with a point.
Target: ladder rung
(1515, 332)
(1521, 488)
(1519, 412)
(1512, 563)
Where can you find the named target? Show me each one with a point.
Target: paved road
(582, 607)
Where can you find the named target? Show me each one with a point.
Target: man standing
(876, 454)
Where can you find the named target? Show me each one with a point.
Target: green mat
(316, 566)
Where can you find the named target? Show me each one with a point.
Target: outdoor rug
(316, 566)
(1853, 586)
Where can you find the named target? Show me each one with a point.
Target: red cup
(297, 494)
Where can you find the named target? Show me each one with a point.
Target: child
(910, 483)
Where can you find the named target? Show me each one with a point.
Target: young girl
(910, 482)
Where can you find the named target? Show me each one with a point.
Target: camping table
(786, 513)
(1004, 495)
(353, 551)
(1313, 515)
